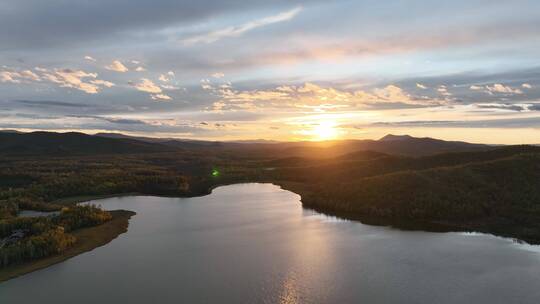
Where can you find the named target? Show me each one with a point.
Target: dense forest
(496, 191)
(489, 189)
(29, 238)
(41, 182)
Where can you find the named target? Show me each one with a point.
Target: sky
(276, 70)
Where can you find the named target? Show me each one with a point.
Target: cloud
(104, 83)
(309, 96)
(443, 90)
(500, 88)
(504, 106)
(160, 97)
(166, 77)
(116, 120)
(206, 84)
(14, 76)
(58, 107)
(65, 78)
(140, 69)
(116, 19)
(75, 79)
(10, 77)
(534, 107)
(117, 66)
(54, 103)
(163, 78)
(517, 122)
(421, 86)
(95, 123)
(124, 121)
(148, 86)
(331, 48)
(235, 31)
(30, 75)
(90, 58)
(355, 82)
(390, 93)
(526, 86)
(169, 87)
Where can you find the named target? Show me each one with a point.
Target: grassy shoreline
(87, 240)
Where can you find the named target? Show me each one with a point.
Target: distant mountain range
(392, 137)
(390, 144)
(171, 142)
(73, 143)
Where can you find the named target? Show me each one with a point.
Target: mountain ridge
(75, 143)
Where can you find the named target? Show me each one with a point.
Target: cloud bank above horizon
(223, 70)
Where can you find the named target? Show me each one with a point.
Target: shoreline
(88, 239)
(94, 237)
(493, 226)
(486, 226)
(86, 198)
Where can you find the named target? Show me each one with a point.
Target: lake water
(32, 213)
(253, 243)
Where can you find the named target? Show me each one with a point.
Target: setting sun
(325, 130)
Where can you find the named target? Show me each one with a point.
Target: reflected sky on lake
(253, 243)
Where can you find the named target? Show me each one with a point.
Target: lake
(254, 243)
(32, 213)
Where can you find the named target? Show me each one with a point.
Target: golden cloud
(308, 95)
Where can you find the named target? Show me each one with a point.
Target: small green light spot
(215, 173)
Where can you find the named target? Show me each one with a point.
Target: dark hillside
(495, 191)
(62, 144)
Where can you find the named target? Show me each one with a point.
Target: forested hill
(171, 142)
(496, 191)
(72, 143)
(491, 189)
(391, 144)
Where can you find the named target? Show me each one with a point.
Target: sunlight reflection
(290, 293)
(312, 260)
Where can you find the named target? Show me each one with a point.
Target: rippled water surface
(253, 243)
